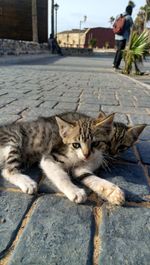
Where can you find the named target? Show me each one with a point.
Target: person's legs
(116, 44)
(120, 44)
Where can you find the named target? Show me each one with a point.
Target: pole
(56, 24)
(52, 18)
(79, 32)
(81, 21)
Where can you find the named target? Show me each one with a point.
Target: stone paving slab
(145, 136)
(144, 150)
(8, 118)
(58, 232)
(140, 119)
(125, 238)
(13, 207)
(129, 177)
(128, 156)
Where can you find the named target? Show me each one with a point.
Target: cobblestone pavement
(47, 229)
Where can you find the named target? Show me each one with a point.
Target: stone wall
(14, 47)
(77, 51)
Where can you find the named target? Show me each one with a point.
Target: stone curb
(135, 80)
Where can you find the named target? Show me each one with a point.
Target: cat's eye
(95, 143)
(76, 145)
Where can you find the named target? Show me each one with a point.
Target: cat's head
(86, 137)
(124, 136)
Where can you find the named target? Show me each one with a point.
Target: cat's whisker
(105, 164)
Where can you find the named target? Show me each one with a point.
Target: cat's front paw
(77, 195)
(116, 197)
(28, 185)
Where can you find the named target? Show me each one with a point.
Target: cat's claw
(28, 186)
(78, 196)
(116, 197)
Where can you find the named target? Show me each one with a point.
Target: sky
(98, 12)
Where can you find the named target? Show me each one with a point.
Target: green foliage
(142, 18)
(111, 20)
(137, 48)
(107, 45)
(93, 43)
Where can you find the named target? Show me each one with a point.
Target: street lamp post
(81, 21)
(52, 18)
(56, 6)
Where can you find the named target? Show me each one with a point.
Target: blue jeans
(120, 45)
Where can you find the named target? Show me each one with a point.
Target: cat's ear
(106, 123)
(136, 130)
(101, 115)
(64, 126)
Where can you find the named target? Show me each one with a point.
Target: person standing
(53, 45)
(122, 39)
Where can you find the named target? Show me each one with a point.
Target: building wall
(71, 39)
(16, 19)
(104, 37)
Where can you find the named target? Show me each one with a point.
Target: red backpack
(118, 26)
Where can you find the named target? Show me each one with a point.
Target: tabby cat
(124, 136)
(69, 142)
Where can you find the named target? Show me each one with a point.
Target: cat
(124, 136)
(69, 142)
(46, 140)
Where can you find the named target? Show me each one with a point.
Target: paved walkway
(47, 229)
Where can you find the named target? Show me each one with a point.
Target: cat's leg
(10, 159)
(102, 187)
(60, 178)
(25, 183)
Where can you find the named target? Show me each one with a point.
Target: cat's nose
(87, 155)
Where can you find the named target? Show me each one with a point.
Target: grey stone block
(9, 118)
(124, 109)
(144, 150)
(143, 103)
(34, 113)
(68, 99)
(126, 103)
(13, 207)
(58, 232)
(108, 102)
(130, 178)
(89, 100)
(125, 239)
(129, 156)
(121, 118)
(66, 106)
(145, 136)
(89, 107)
(140, 118)
(48, 104)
